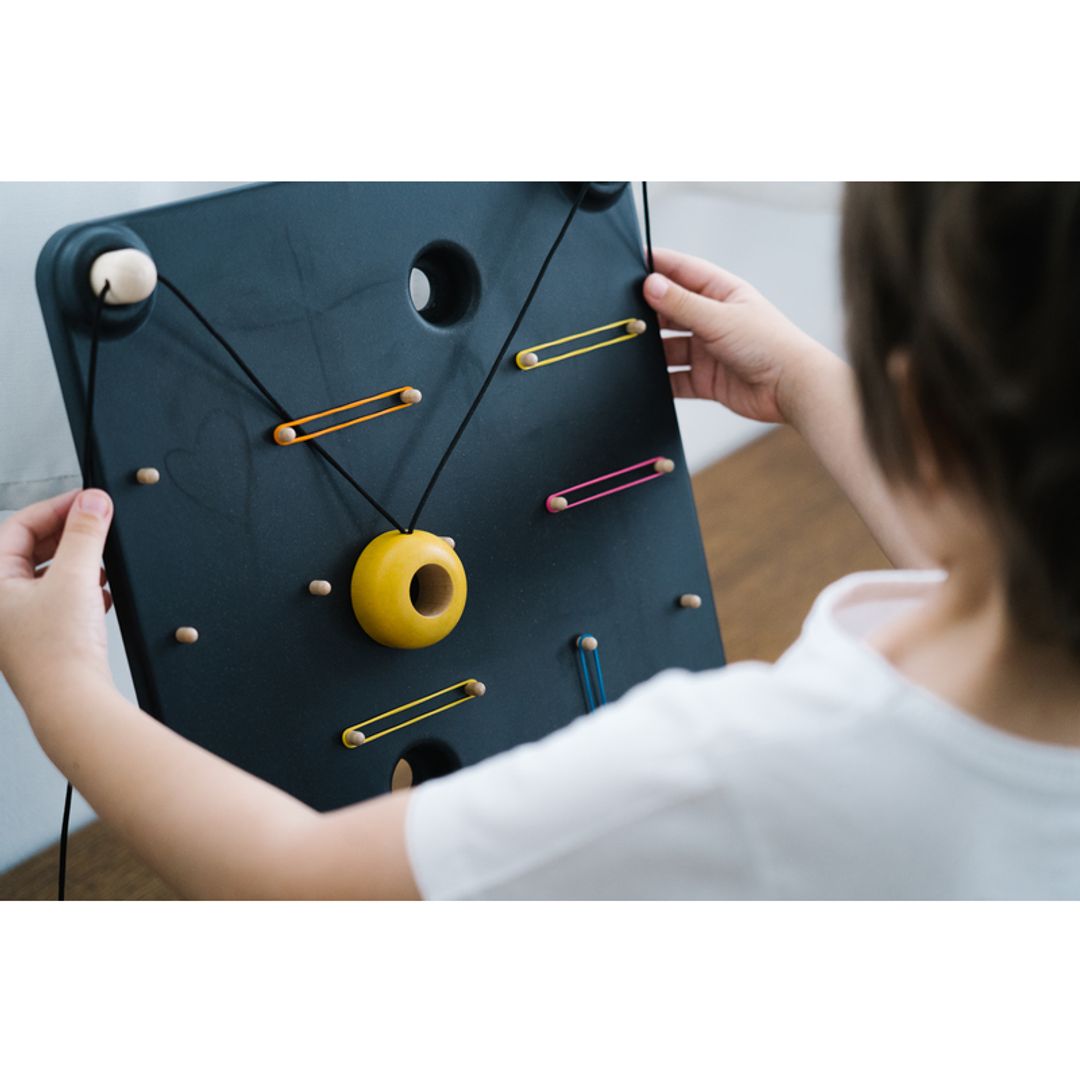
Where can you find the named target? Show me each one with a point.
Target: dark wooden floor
(776, 532)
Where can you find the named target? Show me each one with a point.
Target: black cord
(88, 472)
(62, 870)
(498, 359)
(278, 407)
(648, 227)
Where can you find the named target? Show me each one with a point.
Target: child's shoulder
(830, 684)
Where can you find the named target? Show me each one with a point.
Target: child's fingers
(83, 539)
(677, 351)
(696, 274)
(27, 536)
(701, 314)
(666, 324)
(681, 384)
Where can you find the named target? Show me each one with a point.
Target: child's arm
(748, 356)
(210, 829)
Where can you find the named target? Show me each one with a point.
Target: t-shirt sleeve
(626, 803)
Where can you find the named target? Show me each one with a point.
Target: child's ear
(927, 471)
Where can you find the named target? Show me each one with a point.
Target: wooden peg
(475, 688)
(556, 504)
(664, 465)
(690, 600)
(412, 396)
(356, 738)
(187, 635)
(528, 360)
(637, 326)
(285, 436)
(148, 476)
(448, 540)
(318, 587)
(588, 643)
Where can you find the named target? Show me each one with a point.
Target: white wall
(781, 237)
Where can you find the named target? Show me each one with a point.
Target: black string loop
(275, 404)
(325, 454)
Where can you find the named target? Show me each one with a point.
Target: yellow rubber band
(575, 352)
(401, 708)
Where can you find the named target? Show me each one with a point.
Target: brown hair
(979, 285)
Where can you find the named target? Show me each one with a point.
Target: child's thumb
(83, 540)
(689, 310)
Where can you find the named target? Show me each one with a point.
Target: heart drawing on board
(217, 473)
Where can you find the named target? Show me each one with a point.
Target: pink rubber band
(600, 480)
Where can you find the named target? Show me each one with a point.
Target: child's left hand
(52, 620)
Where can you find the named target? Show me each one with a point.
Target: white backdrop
(782, 237)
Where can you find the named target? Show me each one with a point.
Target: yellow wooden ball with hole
(408, 589)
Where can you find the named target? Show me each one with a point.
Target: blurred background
(782, 237)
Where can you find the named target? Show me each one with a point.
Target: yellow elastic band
(402, 708)
(575, 352)
(340, 408)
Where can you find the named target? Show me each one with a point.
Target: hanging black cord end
(648, 227)
(89, 480)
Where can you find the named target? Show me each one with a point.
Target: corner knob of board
(636, 326)
(411, 396)
(131, 274)
(588, 643)
(690, 600)
(475, 688)
(187, 635)
(664, 465)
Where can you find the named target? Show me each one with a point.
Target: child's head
(964, 330)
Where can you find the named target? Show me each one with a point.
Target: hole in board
(443, 284)
(419, 289)
(424, 761)
(600, 195)
(431, 590)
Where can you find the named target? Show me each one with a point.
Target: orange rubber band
(341, 408)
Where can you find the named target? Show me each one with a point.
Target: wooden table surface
(776, 530)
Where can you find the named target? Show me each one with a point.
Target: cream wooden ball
(131, 274)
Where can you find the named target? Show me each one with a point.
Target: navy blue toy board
(270, 612)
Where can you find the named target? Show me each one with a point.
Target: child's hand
(743, 353)
(52, 620)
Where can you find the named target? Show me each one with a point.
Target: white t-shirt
(827, 774)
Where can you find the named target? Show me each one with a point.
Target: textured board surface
(310, 283)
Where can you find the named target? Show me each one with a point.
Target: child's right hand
(743, 352)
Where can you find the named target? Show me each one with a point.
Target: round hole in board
(423, 761)
(444, 284)
(419, 289)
